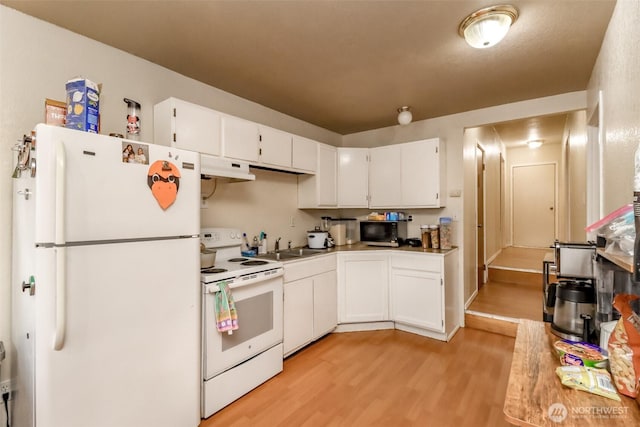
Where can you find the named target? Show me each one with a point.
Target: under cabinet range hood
(228, 169)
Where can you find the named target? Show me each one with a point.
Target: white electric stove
(234, 364)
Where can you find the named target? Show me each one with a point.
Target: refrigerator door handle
(61, 252)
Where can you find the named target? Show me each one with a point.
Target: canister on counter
(435, 236)
(425, 234)
(445, 233)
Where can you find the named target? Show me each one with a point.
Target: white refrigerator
(108, 334)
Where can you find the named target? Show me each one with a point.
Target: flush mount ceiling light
(486, 27)
(534, 143)
(404, 115)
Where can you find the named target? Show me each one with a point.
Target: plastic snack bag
(624, 347)
(592, 380)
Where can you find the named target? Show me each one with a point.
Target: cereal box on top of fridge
(83, 105)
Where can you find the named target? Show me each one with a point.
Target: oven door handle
(246, 280)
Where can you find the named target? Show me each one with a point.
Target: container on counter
(445, 232)
(435, 236)
(425, 235)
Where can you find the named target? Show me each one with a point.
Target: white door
(304, 153)
(197, 128)
(534, 205)
(420, 173)
(298, 314)
(325, 303)
(364, 288)
(327, 185)
(416, 299)
(353, 177)
(105, 198)
(384, 177)
(275, 147)
(132, 315)
(240, 139)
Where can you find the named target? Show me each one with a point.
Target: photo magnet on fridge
(163, 179)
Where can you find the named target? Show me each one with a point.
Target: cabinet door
(363, 282)
(325, 303)
(304, 154)
(353, 177)
(187, 126)
(416, 299)
(420, 174)
(275, 147)
(326, 176)
(384, 177)
(297, 314)
(240, 139)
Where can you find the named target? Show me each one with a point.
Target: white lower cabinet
(424, 294)
(310, 301)
(416, 293)
(363, 283)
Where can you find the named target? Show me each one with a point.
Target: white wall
(37, 58)
(616, 75)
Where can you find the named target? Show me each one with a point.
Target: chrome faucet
(278, 244)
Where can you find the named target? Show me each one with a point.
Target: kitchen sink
(292, 254)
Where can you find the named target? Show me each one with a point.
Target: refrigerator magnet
(135, 153)
(163, 179)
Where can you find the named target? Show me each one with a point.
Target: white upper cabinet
(353, 177)
(240, 139)
(187, 126)
(421, 174)
(384, 177)
(275, 147)
(320, 190)
(409, 175)
(304, 154)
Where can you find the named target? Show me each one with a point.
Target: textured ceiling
(348, 65)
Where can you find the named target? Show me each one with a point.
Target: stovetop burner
(213, 270)
(255, 262)
(237, 259)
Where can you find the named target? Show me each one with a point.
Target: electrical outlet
(5, 387)
(292, 222)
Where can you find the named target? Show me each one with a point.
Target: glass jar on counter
(434, 231)
(425, 235)
(445, 233)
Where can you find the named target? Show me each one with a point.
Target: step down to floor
(521, 277)
(491, 323)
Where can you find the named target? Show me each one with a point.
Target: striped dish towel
(226, 315)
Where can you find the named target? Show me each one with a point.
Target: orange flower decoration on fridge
(163, 179)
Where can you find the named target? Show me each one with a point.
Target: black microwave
(383, 233)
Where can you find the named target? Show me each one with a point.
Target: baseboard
(471, 298)
(491, 323)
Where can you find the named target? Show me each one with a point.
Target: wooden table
(535, 396)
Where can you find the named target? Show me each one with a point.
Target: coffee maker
(570, 303)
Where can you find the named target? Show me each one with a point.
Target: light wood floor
(517, 298)
(383, 378)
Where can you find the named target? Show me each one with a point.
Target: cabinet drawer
(309, 267)
(422, 262)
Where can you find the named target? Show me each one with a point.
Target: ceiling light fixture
(486, 27)
(534, 143)
(404, 115)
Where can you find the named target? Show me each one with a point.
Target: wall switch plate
(5, 387)
(455, 193)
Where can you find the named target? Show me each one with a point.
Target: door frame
(555, 196)
(485, 270)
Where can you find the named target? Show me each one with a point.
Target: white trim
(493, 316)
(471, 298)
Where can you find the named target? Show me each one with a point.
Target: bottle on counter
(263, 244)
(245, 243)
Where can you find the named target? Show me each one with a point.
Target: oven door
(258, 304)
